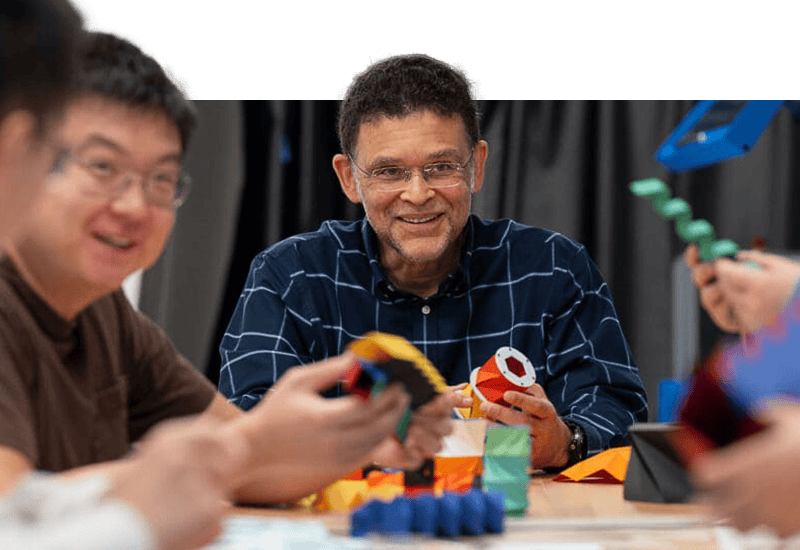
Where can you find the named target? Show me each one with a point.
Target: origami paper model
(678, 210)
(656, 472)
(606, 467)
(505, 465)
(461, 456)
(507, 370)
(388, 358)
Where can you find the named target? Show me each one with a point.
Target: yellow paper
(376, 345)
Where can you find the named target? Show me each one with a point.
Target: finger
(692, 256)
(536, 390)
(353, 412)
(761, 258)
(493, 411)
(457, 387)
(438, 406)
(535, 406)
(736, 277)
(385, 418)
(460, 401)
(438, 426)
(424, 442)
(391, 400)
(703, 274)
(325, 374)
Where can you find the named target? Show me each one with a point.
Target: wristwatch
(576, 451)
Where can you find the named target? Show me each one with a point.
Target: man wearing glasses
(83, 375)
(421, 266)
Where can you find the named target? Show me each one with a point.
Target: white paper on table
(468, 438)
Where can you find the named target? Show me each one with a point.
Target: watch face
(576, 449)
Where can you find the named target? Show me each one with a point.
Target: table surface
(565, 512)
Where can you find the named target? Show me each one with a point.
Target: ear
(479, 159)
(344, 171)
(16, 137)
(16, 142)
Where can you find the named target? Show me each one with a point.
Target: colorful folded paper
(606, 467)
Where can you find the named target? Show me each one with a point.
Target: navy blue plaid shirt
(309, 296)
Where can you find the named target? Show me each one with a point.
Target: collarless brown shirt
(79, 392)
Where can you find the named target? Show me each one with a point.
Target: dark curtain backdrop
(262, 172)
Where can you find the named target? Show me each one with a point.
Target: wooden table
(566, 513)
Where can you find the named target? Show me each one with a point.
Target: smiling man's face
(88, 239)
(418, 223)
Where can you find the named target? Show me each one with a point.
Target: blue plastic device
(714, 131)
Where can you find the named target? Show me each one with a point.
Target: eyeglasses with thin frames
(438, 175)
(165, 188)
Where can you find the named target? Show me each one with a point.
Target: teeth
(422, 220)
(116, 242)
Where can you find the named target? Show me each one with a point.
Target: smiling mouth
(420, 220)
(120, 243)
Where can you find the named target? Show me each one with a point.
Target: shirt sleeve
(592, 380)
(163, 383)
(272, 329)
(49, 513)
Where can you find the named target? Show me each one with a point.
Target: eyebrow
(98, 140)
(437, 155)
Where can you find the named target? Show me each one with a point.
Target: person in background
(753, 481)
(420, 265)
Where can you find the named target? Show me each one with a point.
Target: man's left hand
(550, 437)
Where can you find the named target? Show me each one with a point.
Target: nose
(132, 199)
(417, 190)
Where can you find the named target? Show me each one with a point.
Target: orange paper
(607, 467)
(455, 473)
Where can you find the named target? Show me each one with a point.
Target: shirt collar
(455, 283)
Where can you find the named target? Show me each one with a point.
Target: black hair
(39, 41)
(400, 85)
(113, 67)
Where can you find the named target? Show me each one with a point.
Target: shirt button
(426, 309)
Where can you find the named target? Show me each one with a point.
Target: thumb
(325, 374)
(692, 255)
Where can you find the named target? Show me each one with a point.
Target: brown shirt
(78, 392)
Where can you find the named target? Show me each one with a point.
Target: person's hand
(459, 400)
(303, 441)
(755, 481)
(740, 298)
(429, 424)
(179, 479)
(757, 295)
(550, 437)
(704, 277)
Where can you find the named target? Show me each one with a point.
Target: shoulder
(331, 236)
(314, 251)
(523, 239)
